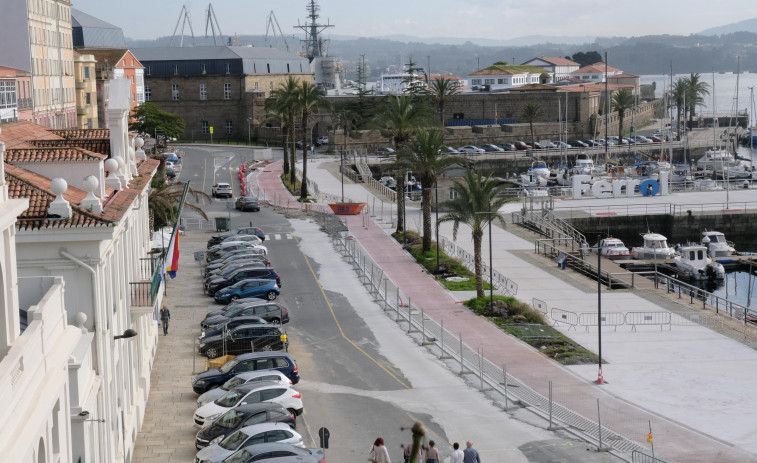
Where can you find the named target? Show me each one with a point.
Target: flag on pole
(649, 437)
(171, 261)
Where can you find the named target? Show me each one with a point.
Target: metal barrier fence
(502, 284)
(655, 208)
(641, 457)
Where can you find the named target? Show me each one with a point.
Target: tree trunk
(426, 205)
(401, 202)
(293, 154)
(621, 115)
(286, 152)
(304, 186)
(478, 268)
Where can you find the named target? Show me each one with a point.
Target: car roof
(258, 325)
(253, 386)
(265, 354)
(259, 407)
(257, 449)
(222, 184)
(256, 373)
(249, 317)
(268, 425)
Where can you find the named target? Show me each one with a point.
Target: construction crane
(187, 17)
(272, 24)
(212, 21)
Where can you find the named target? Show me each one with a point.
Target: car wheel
(271, 295)
(234, 297)
(267, 348)
(275, 321)
(212, 353)
(293, 412)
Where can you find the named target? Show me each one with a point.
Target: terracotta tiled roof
(95, 145)
(23, 183)
(19, 134)
(19, 155)
(624, 76)
(120, 202)
(82, 133)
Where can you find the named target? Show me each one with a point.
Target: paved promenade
(648, 370)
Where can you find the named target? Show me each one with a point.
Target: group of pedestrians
(379, 454)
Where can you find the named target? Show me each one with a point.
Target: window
(205, 126)
(203, 69)
(268, 65)
(148, 94)
(229, 127)
(475, 81)
(88, 99)
(203, 91)
(226, 91)
(256, 85)
(271, 86)
(228, 68)
(500, 81)
(175, 91)
(7, 93)
(89, 123)
(176, 69)
(86, 72)
(488, 81)
(452, 194)
(149, 70)
(287, 68)
(256, 419)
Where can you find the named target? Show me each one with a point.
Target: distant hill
(747, 25)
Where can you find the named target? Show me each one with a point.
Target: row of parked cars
(247, 408)
(543, 145)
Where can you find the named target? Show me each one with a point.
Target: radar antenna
(314, 46)
(187, 17)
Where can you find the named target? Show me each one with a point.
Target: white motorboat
(613, 248)
(681, 173)
(717, 245)
(716, 159)
(584, 164)
(539, 168)
(655, 247)
(532, 180)
(693, 263)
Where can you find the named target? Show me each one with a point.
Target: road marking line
(341, 331)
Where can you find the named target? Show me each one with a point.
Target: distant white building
(399, 83)
(503, 77)
(558, 68)
(74, 391)
(594, 73)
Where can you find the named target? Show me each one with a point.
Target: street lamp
(130, 333)
(249, 130)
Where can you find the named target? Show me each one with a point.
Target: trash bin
(222, 223)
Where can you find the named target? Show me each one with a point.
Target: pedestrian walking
(457, 455)
(409, 452)
(470, 455)
(165, 315)
(378, 453)
(432, 454)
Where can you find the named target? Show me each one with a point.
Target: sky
(489, 19)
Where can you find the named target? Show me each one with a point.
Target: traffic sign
(324, 434)
(211, 130)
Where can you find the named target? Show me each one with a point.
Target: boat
(584, 164)
(539, 168)
(693, 263)
(529, 180)
(655, 247)
(613, 248)
(681, 173)
(716, 244)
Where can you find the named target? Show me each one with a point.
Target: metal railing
(656, 208)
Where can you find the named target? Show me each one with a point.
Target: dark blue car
(230, 324)
(266, 289)
(253, 361)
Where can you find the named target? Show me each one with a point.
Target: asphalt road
(362, 377)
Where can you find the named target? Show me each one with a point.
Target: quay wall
(737, 226)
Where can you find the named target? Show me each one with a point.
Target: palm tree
(346, 119)
(399, 120)
(531, 112)
(422, 155)
(163, 204)
(441, 90)
(678, 97)
(476, 204)
(622, 100)
(275, 116)
(285, 101)
(696, 91)
(309, 100)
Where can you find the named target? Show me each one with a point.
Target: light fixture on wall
(130, 333)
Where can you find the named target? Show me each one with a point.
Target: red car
(521, 145)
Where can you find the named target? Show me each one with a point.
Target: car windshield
(229, 419)
(232, 383)
(229, 399)
(227, 367)
(239, 457)
(234, 440)
(238, 284)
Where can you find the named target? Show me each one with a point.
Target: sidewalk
(657, 371)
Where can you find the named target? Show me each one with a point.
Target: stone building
(86, 91)
(222, 89)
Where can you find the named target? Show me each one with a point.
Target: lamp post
(249, 130)
(130, 333)
(436, 211)
(600, 378)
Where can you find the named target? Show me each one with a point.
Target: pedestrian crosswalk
(278, 236)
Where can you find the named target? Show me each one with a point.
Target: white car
(323, 141)
(217, 452)
(221, 190)
(244, 378)
(470, 149)
(250, 393)
(251, 238)
(237, 245)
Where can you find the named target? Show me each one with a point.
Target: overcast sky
(491, 19)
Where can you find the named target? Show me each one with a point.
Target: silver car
(249, 435)
(244, 378)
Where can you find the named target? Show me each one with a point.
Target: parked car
(238, 254)
(655, 139)
(267, 289)
(591, 143)
(251, 238)
(384, 151)
(599, 142)
(256, 248)
(253, 361)
(217, 283)
(247, 203)
(492, 148)
(272, 312)
(215, 239)
(244, 378)
(243, 339)
(548, 145)
(537, 145)
(507, 146)
(628, 141)
(280, 453)
(240, 417)
(251, 393)
(217, 330)
(247, 436)
(640, 139)
(450, 150)
(229, 270)
(236, 259)
(232, 245)
(470, 149)
(577, 144)
(561, 145)
(221, 190)
(322, 141)
(521, 145)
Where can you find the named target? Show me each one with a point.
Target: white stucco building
(558, 68)
(594, 73)
(77, 391)
(503, 77)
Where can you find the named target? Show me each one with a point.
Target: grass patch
(525, 323)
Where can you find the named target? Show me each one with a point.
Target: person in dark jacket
(470, 455)
(165, 315)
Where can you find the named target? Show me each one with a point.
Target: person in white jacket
(379, 454)
(457, 455)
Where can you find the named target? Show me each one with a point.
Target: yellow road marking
(339, 326)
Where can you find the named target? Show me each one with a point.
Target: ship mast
(314, 46)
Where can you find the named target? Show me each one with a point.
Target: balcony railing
(143, 293)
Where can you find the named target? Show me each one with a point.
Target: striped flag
(171, 261)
